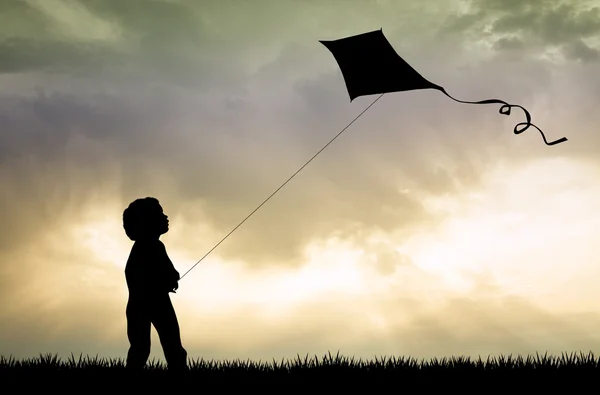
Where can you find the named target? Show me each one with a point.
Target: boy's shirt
(149, 271)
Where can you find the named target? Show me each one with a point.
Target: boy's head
(144, 219)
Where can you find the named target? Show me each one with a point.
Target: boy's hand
(175, 281)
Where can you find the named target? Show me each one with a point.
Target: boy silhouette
(150, 276)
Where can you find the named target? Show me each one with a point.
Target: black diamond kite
(370, 65)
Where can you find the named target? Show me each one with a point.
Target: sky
(427, 229)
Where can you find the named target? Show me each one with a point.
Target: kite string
(282, 185)
(505, 110)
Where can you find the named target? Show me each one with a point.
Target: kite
(370, 65)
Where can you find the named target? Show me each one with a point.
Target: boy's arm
(172, 275)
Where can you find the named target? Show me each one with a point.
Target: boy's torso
(148, 268)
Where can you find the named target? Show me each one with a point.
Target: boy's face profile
(162, 220)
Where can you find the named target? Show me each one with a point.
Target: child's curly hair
(138, 217)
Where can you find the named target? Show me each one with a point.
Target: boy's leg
(138, 333)
(167, 327)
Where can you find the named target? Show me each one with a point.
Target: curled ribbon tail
(505, 110)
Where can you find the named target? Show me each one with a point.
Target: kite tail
(505, 110)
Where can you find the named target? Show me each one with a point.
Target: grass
(49, 370)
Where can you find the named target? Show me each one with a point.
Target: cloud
(194, 150)
(533, 26)
(20, 54)
(152, 41)
(187, 43)
(508, 43)
(98, 132)
(579, 50)
(552, 24)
